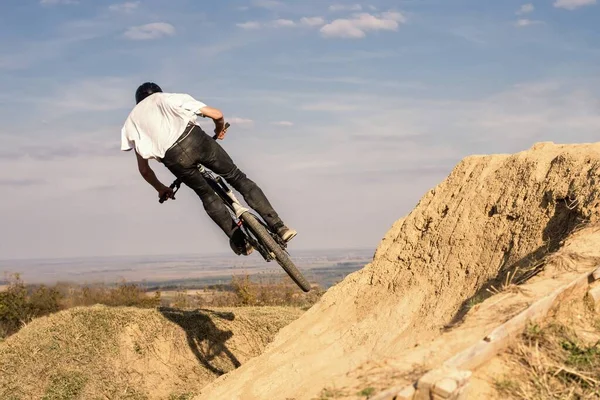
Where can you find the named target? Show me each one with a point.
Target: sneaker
(239, 244)
(286, 233)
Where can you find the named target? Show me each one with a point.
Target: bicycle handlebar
(177, 182)
(224, 129)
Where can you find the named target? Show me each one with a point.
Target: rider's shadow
(205, 339)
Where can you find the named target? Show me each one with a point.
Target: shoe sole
(290, 237)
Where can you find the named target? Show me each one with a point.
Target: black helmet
(145, 90)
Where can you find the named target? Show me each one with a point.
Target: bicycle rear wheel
(261, 233)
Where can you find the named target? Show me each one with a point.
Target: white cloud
(527, 22)
(56, 2)
(394, 16)
(358, 26)
(345, 7)
(150, 31)
(126, 7)
(312, 21)
(277, 23)
(525, 9)
(282, 123)
(573, 4)
(249, 25)
(282, 23)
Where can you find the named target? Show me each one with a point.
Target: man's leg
(213, 156)
(213, 205)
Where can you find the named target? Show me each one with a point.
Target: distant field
(324, 276)
(325, 267)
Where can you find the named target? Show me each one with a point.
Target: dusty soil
(580, 254)
(493, 214)
(129, 353)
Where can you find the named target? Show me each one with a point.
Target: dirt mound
(492, 214)
(105, 352)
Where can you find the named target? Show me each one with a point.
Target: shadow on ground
(205, 339)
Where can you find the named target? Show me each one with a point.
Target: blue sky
(345, 113)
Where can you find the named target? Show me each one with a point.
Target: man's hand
(220, 133)
(165, 192)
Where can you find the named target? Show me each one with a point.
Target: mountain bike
(270, 245)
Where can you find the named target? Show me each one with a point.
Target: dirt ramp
(128, 353)
(491, 214)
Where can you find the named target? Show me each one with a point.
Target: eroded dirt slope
(491, 214)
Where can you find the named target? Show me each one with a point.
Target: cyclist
(162, 126)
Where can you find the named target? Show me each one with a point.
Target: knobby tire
(280, 255)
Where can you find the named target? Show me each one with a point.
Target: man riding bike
(162, 126)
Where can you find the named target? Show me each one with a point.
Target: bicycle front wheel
(280, 255)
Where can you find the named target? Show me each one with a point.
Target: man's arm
(217, 116)
(150, 177)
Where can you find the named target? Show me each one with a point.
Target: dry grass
(21, 303)
(275, 292)
(560, 360)
(105, 352)
(507, 285)
(115, 342)
(561, 261)
(243, 291)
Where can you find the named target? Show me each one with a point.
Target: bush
(19, 304)
(123, 294)
(245, 290)
(272, 292)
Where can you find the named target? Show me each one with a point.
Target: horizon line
(220, 254)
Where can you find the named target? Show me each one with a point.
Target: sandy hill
(491, 215)
(127, 353)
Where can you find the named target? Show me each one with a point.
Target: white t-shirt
(157, 122)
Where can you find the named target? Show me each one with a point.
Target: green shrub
(20, 304)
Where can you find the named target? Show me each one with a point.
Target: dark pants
(199, 148)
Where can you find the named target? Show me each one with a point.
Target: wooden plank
(397, 393)
(498, 339)
(485, 349)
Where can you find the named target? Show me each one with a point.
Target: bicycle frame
(226, 194)
(220, 188)
(223, 191)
